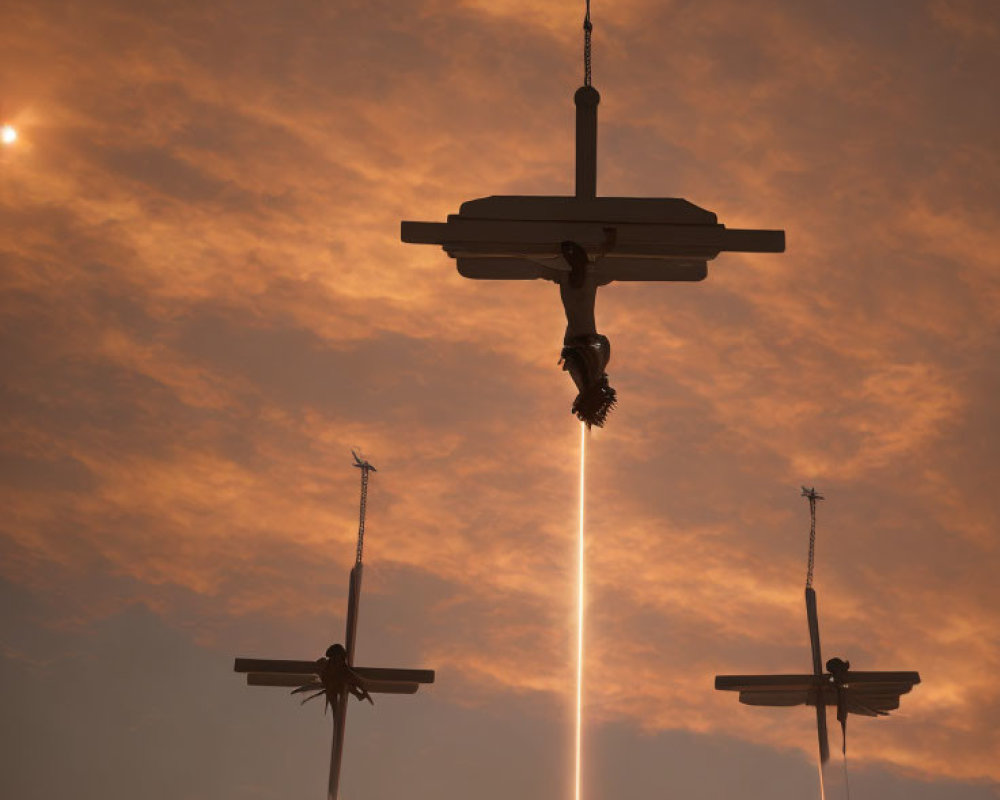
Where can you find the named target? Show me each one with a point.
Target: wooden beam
(399, 675)
(277, 666)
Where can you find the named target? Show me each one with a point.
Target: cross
(582, 242)
(334, 676)
(870, 694)
(519, 237)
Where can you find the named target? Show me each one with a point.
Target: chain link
(813, 496)
(587, 28)
(361, 523)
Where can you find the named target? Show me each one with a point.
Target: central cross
(582, 242)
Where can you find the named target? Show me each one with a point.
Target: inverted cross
(334, 676)
(870, 694)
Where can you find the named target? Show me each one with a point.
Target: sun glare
(8, 134)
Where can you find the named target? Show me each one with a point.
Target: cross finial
(362, 463)
(812, 494)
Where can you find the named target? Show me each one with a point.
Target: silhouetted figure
(585, 352)
(337, 674)
(838, 669)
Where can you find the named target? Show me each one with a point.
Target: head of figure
(336, 652)
(838, 667)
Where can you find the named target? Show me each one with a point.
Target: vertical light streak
(579, 615)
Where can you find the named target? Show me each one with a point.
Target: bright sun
(8, 135)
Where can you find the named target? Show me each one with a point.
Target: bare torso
(579, 307)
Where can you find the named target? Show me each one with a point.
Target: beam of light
(8, 134)
(822, 790)
(579, 615)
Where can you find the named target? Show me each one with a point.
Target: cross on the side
(334, 676)
(870, 694)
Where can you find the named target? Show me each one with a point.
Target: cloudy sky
(205, 305)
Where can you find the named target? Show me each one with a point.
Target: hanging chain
(813, 496)
(361, 523)
(365, 468)
(587, 28)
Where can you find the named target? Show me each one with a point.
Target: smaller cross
(334, 676)
(870, 694)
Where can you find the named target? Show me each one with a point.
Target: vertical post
(586, 99)
(812, 616)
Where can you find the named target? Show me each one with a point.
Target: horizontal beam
(606, 210)
(379, 687)
(396, 675)
(289, 680)
(876, 679)
(277, 666)
(767, 682)
(606, 269)
(544, 237)
(795, 697)
(861, 681)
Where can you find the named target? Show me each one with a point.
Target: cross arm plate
(279, 666)
(380, 687)
(384, 674)
(542, 238)
(287, 680)
(606, 269)
(867, 693)
(594, 209)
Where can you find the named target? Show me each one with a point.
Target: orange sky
(205, 304)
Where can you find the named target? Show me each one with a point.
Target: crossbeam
(874, 691)
(626, 239)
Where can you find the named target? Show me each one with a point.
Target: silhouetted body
(585, 352)
(839, 669)
(337, 674)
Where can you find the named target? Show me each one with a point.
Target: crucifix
(870, 694)
(582, 242)
(334, 676)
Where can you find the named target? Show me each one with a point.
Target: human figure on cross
(582, 242)
(335, 675)
(585, 352)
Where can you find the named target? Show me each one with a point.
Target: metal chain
(813, 496)
(587, 28)
(361, 524)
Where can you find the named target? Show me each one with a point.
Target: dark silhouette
(583, 242)
(585, 352)
(871, 694)
(335, 676)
